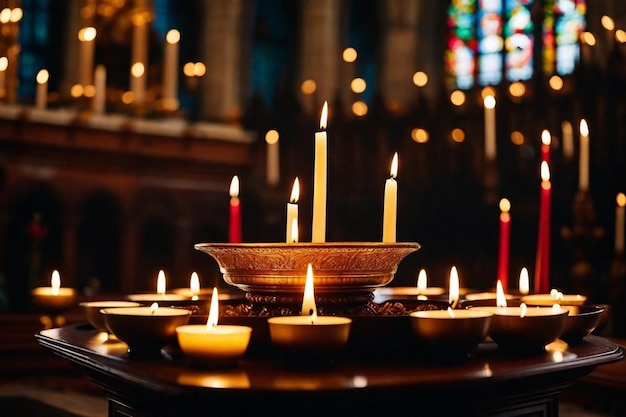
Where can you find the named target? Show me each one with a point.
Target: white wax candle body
(390, 210)
(87, 51)
(292, 214)
(42, 95)
(319, 189)
(568, 140)
(490, 133)
(170, 74)
(99, 98)
(583, 170)
(273, 170)
(139, 53)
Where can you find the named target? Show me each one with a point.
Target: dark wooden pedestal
(488, 383)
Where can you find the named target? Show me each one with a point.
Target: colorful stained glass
(490, 42)
(460, 55)
(518, 42)
(569, 24)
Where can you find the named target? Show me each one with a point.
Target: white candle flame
(234, 187)
(55, 282)
(556, 308)
(453, 293)
(154, 307)
(161, 287)
(194, 284)
(324, 116)
(505, 205)
(584, 128)
(554, 292)
(393, 172)
(523, 309)
(545, 171)
(308, 301)
(489, 102)
(213, 311)
(422, 282)
(42, 76)
(546, 138)
(500, 297)
(295, 191)
(524, 282)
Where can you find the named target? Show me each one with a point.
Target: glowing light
(161, 286)
(349, 54)
(517, 89)
(173, 36)
(358, 85)
(55, 282)
(556, 83)
(453, 292)
(457, 97)
(607, 22)
(489, 102)
(359, 108)
(420, 78)
(213, 310)
(308, 301)
(271, 137)
(137, 69)
(422, 280)
(517, 137)
(458, 135)
(234, 187)
(524, 282)
(4, 63)
(308, 87)
(419, 135)
(42, 76)
(588, 38)
(500, 298)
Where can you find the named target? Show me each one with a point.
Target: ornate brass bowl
(275, 273)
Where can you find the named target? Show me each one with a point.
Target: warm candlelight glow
(294, 231)
(324, 116)
(545, 171)
(87, 34)
(161, 283)
(318, 233)
(546, 138)
(42, 76)
(234, 187)
(621, 199)
(292, 212)
(505, 205)
(390, 205)
(234, 226)
(55, 282)
(584, 128)
(194, 284)
(422, 282)
(172, 36)
(308, 301)
(154, 307)
(500, 297)
(524, 281)
(137, 69)
(213, 311)
(453, 293)
(450, 312)
(523, 310)
(489, 102)
(490, 127)
(620, 221)
(393, 172)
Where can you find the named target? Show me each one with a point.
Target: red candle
(505, 237)
(542, 264)
(234, 229)
(546, 140)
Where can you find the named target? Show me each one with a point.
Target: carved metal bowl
(275, 273)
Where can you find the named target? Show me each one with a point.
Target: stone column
(226, 53)
(399, 51)
(320, 51)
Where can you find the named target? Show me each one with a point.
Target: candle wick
(310, 312)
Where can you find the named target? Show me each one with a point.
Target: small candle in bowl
(213, 345)
(161, 296)
(95, 316)
(555, 297)
(145, 329)
(53, 300)
(309, 338)
(421, 291)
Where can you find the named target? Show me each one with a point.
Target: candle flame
(194, 284)
(545, 171)
(505, 205)
(584, 129)
(324, 116)
(42, 76)
(524, 281)
(55, 282)
(393, 172)
(453, 293)
(500, 297)
(154, 307)
(172, 36)
(234, 187)
(489, 102)
(295, 191)
(137, 70)
(451, 312)
(308, 301)
(523, 309)
(214, 310)
(422, 282)
(294, 230)
(621, 199)
(556, 308)
(161, 283)
(546, 138)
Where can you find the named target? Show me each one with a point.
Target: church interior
(124, 122)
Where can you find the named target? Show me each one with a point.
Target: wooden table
(488, 383)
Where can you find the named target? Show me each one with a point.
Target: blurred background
(119, 157)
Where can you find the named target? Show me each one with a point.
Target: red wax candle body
(542, 264)
(503, 252)
(234, 229)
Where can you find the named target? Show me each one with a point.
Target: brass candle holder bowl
(275, 273)
(581, 321)
(96, 318)
(450, 334)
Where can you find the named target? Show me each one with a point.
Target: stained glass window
(460, 56)
(490, 42)
(518, 42)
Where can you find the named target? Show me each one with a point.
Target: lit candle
(568, 140)
(213, 344)
(583, 169)
(86, 36)
(234, 230)
(273, 168)
(99, 97)
(391, 203)
(170, 70)
(542, 264)
(41, 98)
(554, 296)
(546, 141)
(194, 285)
(422, 281)
(139, 50)
(505, 236)
(490, 127)
(4, 64)
(524, 281)
(453, 293)
(309, 336)
(161, 293)
(619, 223)
(320, 178)
(137, 82)
(54, 297)
(292, 211)
(161, 284)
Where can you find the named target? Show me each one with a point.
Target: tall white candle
(138, 82)
(490, 128)
(391, 203)
(568, 140)
(41, 98)
(86, 36)
(170, 70)
(4, 64)
(139, 51)
(273, 169)
(99, 97)
(583, 169)
(292, 211)
(320, 177)
(619, 223)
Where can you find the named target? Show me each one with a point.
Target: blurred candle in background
(99, 97)
(568, 140)
(542, 262)
(619, 223)
(583, 170)
(234, 229)
(41, 98)
(273, 158)
(490, 127)
(170, 70)
(504, 247)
